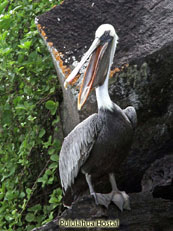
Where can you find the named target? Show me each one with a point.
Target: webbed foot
(104, 199)
(119, 198)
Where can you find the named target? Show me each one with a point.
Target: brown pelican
(93, 151)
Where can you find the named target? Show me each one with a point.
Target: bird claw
(104, 199)
(121, 200)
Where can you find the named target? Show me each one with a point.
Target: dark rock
(146, 214)
(143, 27)
(158, 178)
(146, 45)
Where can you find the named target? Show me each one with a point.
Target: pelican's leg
(120, 198)
(88, 179)
(113, 182)
(100, 199)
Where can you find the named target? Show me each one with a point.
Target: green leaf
(5, 51)
(22, 195)
(30, 217)
(20, 107)
(9, 218)
(17, 100)
(25, 45)
(5, 22)
(51, 151)
(28, 191)
(53, 165)
(56, 121)
(35, 208)
(51, 179)
(48, 143)
(3, 5)
(31, 118)
(42, 133)
(54, 157)
(52, 106)
(9, 195)
(48, 172)
(43, 179)
(56, 196)
(52, 90)
(7, 117)
(53, 200)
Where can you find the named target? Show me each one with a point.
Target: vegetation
(29, 95)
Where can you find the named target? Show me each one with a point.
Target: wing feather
(131, 114)
(76, 149)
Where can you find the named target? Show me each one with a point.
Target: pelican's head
(101, 54)
(106, 29)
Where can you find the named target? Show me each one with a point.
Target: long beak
(90, 79)
(73, 74)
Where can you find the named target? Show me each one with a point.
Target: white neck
(102, 94)
(103, 98)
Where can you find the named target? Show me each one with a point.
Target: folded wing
(76, 149)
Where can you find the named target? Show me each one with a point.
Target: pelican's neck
(103, 99)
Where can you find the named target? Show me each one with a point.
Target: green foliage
(52, 106)
(29, 95)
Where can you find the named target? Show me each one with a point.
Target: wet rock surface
(146, 45)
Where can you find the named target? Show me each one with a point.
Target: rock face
(158, 178)
(142, 72)
(146, 214)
